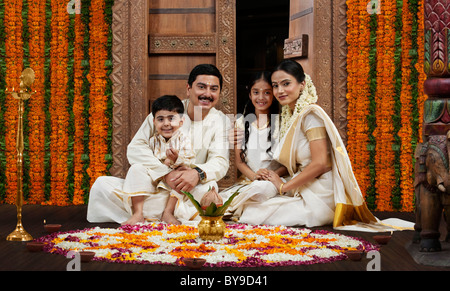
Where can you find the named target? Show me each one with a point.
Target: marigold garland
(59, 103)
(358, 39)
(406, 131)
(2, 105)
(14, 66)
(384, 98)
(78, 111)
(98, 124)
(58, 142)
(391, 96)
(36, 115)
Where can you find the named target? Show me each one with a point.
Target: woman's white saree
(351, 211)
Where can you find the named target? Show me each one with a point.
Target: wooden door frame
(330, 31)
(130, 72)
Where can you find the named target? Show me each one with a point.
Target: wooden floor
(15, 257)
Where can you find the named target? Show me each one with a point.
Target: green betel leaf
(195, 202)
(221, 210)
(211, 210)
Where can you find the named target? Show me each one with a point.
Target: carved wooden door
(183, 34)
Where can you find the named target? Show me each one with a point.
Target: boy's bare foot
(169, 218)
(134, 219)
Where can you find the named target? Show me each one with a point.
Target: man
(207, 128)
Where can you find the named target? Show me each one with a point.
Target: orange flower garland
(68, 120)
(358, 90)
(98, 104)
(36, 116)
(78, 108)
(393, 157)
(59, 103)
(407, 168)
(14, 67)
(420, 65)
(385, 105)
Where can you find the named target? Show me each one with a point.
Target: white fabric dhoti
(106, 205)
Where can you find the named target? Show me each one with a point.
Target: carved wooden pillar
(129, 77)
(432, 156)
(437, 67)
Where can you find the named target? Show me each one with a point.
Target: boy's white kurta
(210, 144)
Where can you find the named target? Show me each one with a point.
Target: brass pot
(211, 228)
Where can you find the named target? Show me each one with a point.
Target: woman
(322, 189)
(254, 154)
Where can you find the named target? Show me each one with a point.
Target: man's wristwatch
(201, 174)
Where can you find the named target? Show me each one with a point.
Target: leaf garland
(65, 126)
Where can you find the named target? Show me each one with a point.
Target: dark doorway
(261, 28)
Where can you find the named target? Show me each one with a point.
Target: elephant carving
(432, 190)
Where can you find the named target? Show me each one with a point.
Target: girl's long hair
(250, 109)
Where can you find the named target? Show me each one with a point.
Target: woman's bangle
(281, 189)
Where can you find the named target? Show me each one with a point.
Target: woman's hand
(275, 179)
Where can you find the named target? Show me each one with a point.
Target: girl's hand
(262, 174)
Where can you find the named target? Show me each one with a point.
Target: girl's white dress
(257, 157)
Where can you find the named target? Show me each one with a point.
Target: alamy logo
(75, 263)
(374, 6)
(74, 7)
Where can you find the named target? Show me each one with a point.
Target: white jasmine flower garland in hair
(307, 97)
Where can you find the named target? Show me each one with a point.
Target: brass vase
(211, 228)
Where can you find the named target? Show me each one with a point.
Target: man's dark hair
(169, 103)
(205, 69)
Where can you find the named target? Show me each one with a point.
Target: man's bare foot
(169, 218)
(134, 219)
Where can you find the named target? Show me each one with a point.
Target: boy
(171, 147)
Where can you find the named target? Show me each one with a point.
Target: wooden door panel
(179, 23)
(301, 28)
(181, 17)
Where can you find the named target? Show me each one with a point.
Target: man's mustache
(205, 98)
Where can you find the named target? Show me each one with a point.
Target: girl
(254, 155)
